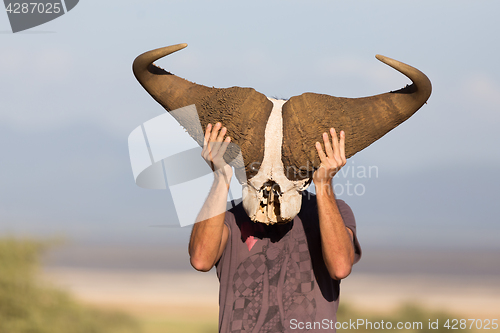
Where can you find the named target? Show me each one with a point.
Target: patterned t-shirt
(273, 278)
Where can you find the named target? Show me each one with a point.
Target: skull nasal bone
(269, 188)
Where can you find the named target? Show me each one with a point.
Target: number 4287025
(461, 324)
(33, 7)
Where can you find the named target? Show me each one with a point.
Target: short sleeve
(229, 220)
(350, 222)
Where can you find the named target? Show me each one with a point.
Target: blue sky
(69, 101)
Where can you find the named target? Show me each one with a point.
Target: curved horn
(364, 120)
(171, 91)
(243, 111)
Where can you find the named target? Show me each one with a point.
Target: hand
(332, 161)
(214, 148)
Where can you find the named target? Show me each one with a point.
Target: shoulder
(350, 222)
(236, 211)
(309, 209)
(347, 214)
(236, 217)
(344, 208)
(309, 202)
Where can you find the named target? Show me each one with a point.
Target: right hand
(214, 147)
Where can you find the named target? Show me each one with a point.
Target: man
(283, 277)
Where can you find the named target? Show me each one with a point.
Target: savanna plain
(49, 287)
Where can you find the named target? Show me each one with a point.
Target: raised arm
(336, 238)
(209, 234)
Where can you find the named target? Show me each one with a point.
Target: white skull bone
(270, 197)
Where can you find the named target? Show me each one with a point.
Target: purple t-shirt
(273, 278)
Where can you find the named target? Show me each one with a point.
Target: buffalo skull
(277, 137)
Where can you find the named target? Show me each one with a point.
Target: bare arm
(336, 238)
(209, 235)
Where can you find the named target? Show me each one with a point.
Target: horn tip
(382, 58)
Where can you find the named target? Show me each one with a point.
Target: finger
(222, 132)
(328, 146)
(214, 148)
(217, 144)
(207, 134)
(223, 147)
(321, 153)
(342, 147)
(335, 142)
(215, 132)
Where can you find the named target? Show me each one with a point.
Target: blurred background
(426, 214)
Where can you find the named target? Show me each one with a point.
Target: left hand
(332, 161)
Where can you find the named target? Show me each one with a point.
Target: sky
(69, 100)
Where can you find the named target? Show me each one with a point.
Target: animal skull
(277, 137)
(270, 197)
